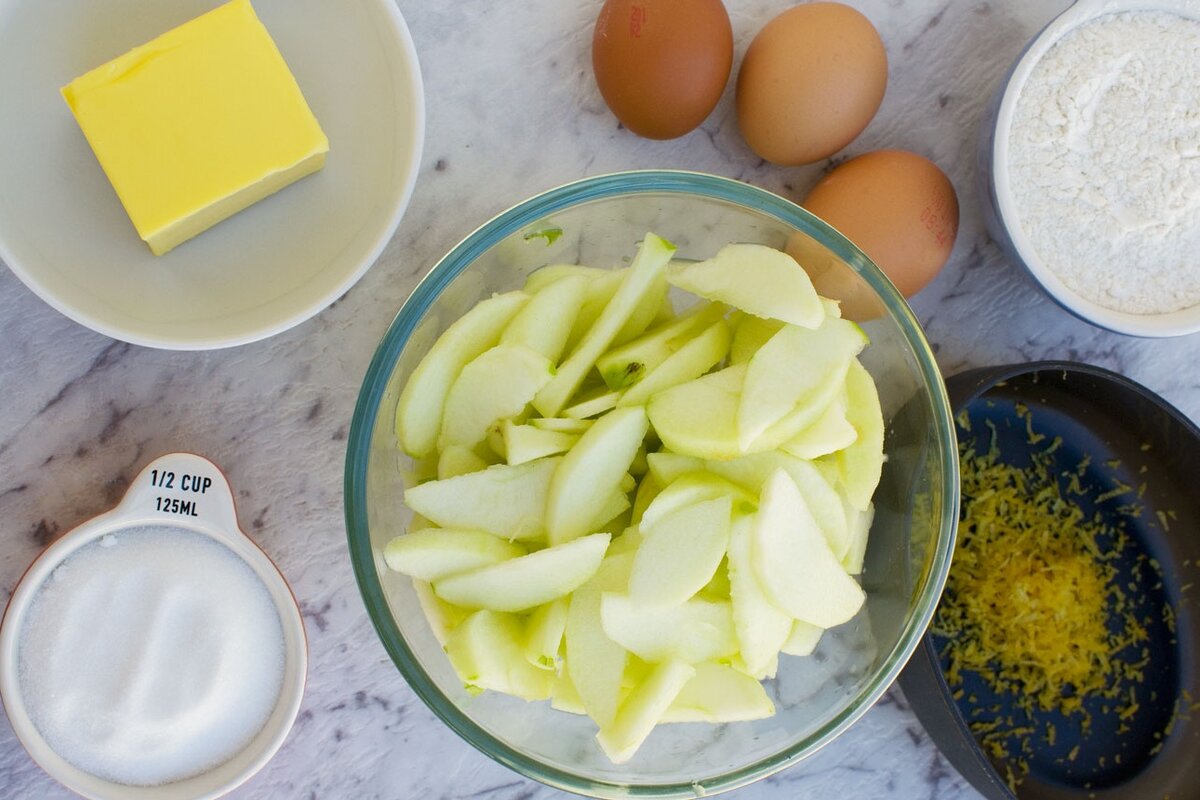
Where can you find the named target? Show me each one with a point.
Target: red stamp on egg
(637, 18)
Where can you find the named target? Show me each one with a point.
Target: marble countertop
(512, 110)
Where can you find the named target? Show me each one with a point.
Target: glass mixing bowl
(598, 221)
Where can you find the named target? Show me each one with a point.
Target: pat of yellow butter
(197, 124)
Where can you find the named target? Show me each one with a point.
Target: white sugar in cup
(154, 652)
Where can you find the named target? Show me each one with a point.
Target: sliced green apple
(719, 693)
(456, 460)
(524, 443)
(544, 634)
(545, 322)
(699, 418)
(690, 361)
(495, 386)
(624, 366)
(519, 584)
(436, 553)
(485, 651)
(592, 403)
(561, 425)
(616, 504)
(564, 696)
(442, 616)
(595, 663)
(641, 280)
(698, 630)
(590, 472)
(859, 524)
(507, 501)
(761, 627)
(751, 334)
(420, 408)
(802, 640)
(681, 553)
(776, 390)
(861, 464)
(798, 572)
(760, 280)
(647, 490)
(828, 434)
(628, 542)
(543, 278)
(692, 488)
(643, 709)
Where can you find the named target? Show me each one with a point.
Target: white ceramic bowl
(216, 519)
(1000, 208)
(63, 230)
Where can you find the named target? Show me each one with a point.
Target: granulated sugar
(151, 655)
(1105, 161)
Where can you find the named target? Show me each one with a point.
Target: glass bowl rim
(413, 310)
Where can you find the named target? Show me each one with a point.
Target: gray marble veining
(512, 110)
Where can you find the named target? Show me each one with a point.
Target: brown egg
(899, 208)
(662, 65)
(811, 80)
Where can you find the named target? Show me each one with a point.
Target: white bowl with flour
(1090, 158)
(154, 652)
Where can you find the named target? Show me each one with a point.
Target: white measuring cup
(187, 492)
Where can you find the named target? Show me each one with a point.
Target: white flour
(1105, 161)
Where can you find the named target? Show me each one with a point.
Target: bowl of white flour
(1091, 158)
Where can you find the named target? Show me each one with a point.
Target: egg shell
(661, 65)
(899, 208)
(810, 82)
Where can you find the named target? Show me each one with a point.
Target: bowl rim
(411, 94)
(637, 182)
(1175, 323)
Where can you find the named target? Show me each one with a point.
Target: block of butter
(197, 124)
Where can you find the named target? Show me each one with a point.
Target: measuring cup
(189, 493)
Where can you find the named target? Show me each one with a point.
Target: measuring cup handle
(182, 487)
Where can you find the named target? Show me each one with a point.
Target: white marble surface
(512, 110)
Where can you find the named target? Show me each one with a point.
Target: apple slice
(441, 616)
(592, 403)
(640, 281)
(495, 386)
(595, 663)
(560, 425)
(699, 418)
(861, 464)
(859, 524)
(797, 570)
(647, 490)
(419, 410)
(719, 693)
(564, 696)
(628, 542)
(456, 460)
(751, 334)
(643, 709)
(616, 504)
(761, 627)
(541, 279)
(436, 553)
(485, 651)
(802, 640)
(624, 366)
(691, 488)
(681, 553)
(831, 432)
(775, 389)
(718, 587)
(760, 280)
(527, 581)
(698, 630)
(692, 360)
(590, 472)
(544, 634)
(524, 443)
(545, 322)
(507, 501)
